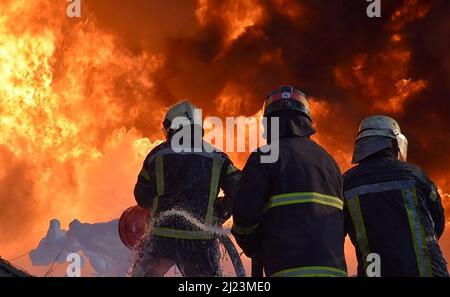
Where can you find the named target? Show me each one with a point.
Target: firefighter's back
(303, 224)
(388, 214)
(187, 182)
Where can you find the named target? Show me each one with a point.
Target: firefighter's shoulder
(416, 169)
(214, 151)
(419, 174)
(153, 152)
(351, 172)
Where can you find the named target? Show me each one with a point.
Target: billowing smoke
(234, 52)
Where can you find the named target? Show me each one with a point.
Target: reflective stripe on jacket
(290, 213)
(394, 210)
(188, 182)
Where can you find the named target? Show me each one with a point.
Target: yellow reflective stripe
(159, 172)
(362, 241)
(181, 234)
(417, 232)
(159, 176)
(231, 169)
(214, 186)
(311, 271)
(144, 174)
(244, 230)
(305, 197)
(153, 210)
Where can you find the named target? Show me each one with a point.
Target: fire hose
(133, 225)
(220, 233)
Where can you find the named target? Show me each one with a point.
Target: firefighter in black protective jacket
(392, 208)
(189, 183)
(289, 213)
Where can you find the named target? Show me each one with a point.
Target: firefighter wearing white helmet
(185, 113)
(375, 134)
(391, 207)
(187, 183)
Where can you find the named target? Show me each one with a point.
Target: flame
(291, 8)
(406, 88)
(80, 108)
(410, 11)
(64, 115)
(322, 111)
(238, 15)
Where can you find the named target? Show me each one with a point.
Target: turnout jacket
(290, 213)
(189, 182)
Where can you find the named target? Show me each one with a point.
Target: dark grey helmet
(287, 98)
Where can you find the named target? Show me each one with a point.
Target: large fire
(81, 100)
(69, 100)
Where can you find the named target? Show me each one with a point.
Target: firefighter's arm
(432, 200)
(249, 204)
(436, 210)
(144, 191)
(229, 180)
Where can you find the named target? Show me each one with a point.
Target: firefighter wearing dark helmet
(289, 213)
(392, 208)
(187, 182)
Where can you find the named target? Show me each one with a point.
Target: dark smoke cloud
(427, 117)
(319, 50)
(142, 24)
(304, 50)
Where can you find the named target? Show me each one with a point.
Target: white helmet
(184, 110)
(380, 128)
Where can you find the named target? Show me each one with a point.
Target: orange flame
(64, 115)
(74, 102)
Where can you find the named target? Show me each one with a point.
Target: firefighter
(289, 214)
(392, 208)
(188, 182)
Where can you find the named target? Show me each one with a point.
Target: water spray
(220, 232)
(215, 230)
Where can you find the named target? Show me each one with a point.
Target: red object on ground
(133, 224)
